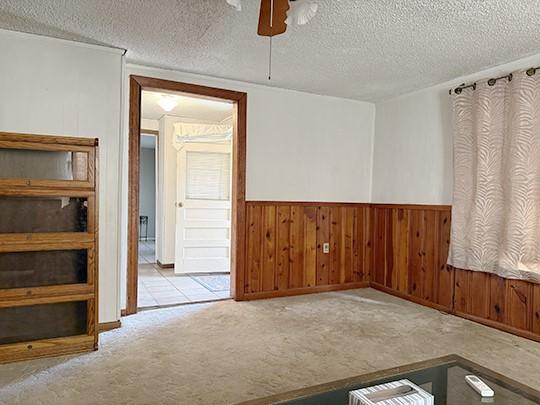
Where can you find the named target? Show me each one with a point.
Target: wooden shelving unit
(48, 246)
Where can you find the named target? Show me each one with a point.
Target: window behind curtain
(208, 176)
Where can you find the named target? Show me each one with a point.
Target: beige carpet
(226, 352)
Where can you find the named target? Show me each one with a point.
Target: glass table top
(444, 377)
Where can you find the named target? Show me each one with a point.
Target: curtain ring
(531, 71)
(491, 82)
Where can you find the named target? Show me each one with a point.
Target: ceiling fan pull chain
(271, 34)
(270, 61)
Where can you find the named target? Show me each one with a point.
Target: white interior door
(203, 208)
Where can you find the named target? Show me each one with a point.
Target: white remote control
(479, 386)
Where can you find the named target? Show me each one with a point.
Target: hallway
(161, 287)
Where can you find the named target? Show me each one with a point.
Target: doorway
(207, 196)
(147, 269)
(147, 197)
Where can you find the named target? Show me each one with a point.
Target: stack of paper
(401, 392)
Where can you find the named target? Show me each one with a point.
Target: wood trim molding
(135, 91)
(407, 297)
(352, 204)
(149, 132)
(497, 325)
(154, 84)
(238, 238)
(477, 319)
(106, 326)
(309, 203)
(423, 207)
(238, 227)
(305, 290)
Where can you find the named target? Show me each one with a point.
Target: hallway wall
(147, 189)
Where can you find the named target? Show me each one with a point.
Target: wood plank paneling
(323, 236)
(360, 237)
(461, 291)
(336, 271)
(269, 248)
(282, 248)
(535, 328)
(310, 246)
(400, 249)
(369, 218)
(518, 309)
(285, 246)
(497, 298)
(254, 252)
(416, 251)
(349, 256)
(430, 253)
(388, 249)
(296, 247)
(379, 245)
(445, 279)
(479, 296)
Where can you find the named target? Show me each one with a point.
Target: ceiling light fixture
(301, 12)
(297, 12)
(168, 102)
(276, 15)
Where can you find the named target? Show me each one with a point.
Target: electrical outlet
(326, 247)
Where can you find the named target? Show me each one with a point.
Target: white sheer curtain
(200, 133)
(496, 205)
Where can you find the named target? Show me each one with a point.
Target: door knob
(179, 204)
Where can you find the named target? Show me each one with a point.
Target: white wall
(303, 147)
(166, 196)
(412, 160)
(55, 87)
(149, 124)
(300, 146)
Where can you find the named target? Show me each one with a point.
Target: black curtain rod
(491, 82)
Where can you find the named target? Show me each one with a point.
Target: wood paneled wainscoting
(285, 248)
(410, 249)
(398, 249)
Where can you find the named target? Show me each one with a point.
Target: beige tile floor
(161, 287)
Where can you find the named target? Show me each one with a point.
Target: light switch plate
(326, 247)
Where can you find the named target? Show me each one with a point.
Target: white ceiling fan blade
(301, 12)
(237, 4)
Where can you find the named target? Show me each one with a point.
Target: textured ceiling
(187, 107)
(366, 50)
